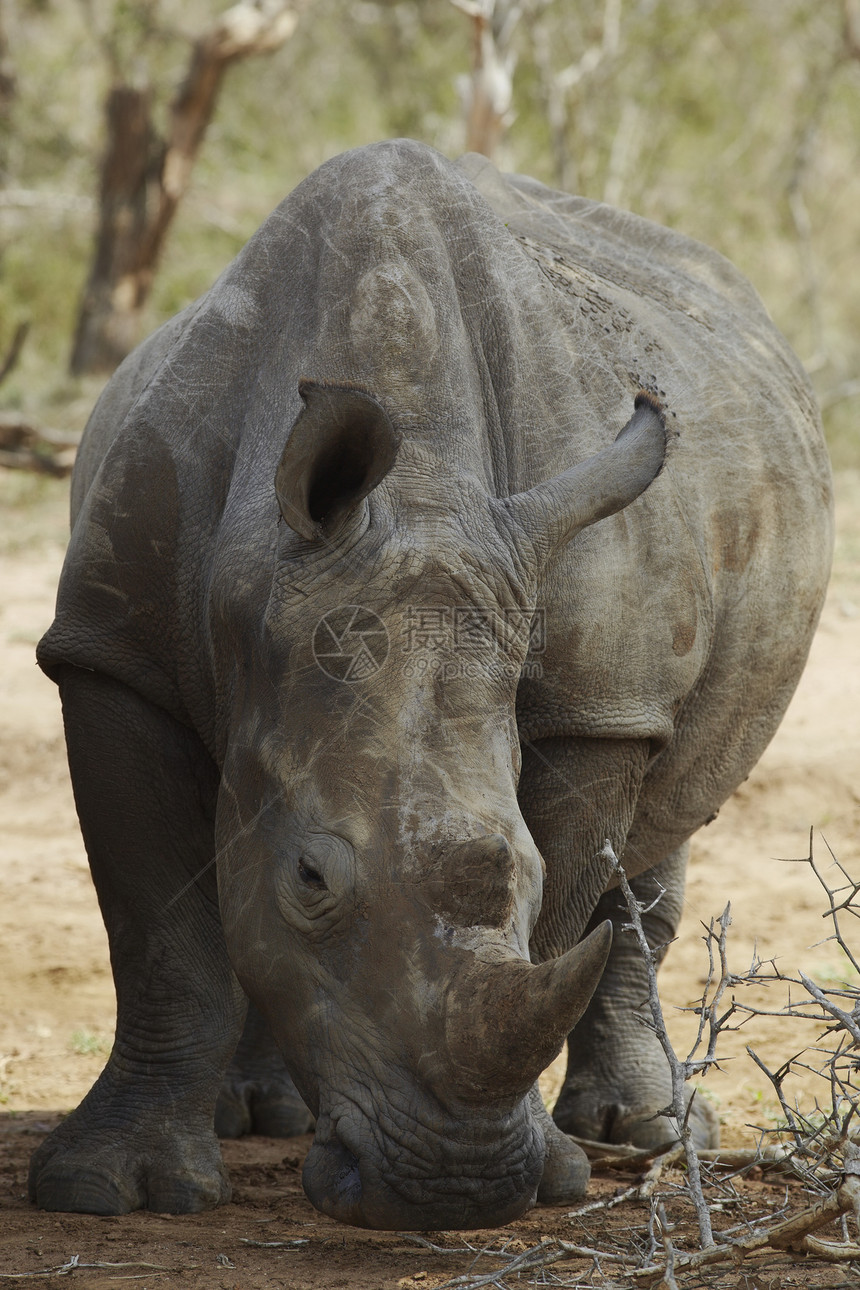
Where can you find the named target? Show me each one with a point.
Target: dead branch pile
(817, 1150)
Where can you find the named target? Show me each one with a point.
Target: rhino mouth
(484, 1175)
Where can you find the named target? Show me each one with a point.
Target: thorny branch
(821, 1148)
(74, 1264)
(680, 1071)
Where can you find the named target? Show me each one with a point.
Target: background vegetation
(736, 121)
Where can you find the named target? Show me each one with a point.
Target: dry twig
(823, 1147)
(680, 1071)
(74, 1264)
(9, 360)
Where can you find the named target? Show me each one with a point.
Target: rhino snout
(380, 1184)
(331, 1176)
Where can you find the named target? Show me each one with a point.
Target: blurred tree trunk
(144, 177)
(556, 87)
(851, 28)
(7, 94)
(7, 74)
(487, 94)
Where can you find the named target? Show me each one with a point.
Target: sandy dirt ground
(56, 997)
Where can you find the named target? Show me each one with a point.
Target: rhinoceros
(462, 527)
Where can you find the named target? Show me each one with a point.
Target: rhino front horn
(505, 1022)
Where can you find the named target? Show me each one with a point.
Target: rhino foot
(618, 1079)
(124, 1168)
(270, 1107)
(257, 1094)
(566, 1170)
(587, 1115)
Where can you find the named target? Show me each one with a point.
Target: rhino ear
(340, 447)
(554, 512)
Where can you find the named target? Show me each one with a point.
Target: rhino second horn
(507, 1021)
(553, 512)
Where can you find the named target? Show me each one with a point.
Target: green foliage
(835, 974)
(88, 1044)
(736, 123)
(732, 120)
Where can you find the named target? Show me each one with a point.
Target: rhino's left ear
(340, 447)
(552, 513)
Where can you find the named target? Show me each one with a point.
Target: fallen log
(26, 446)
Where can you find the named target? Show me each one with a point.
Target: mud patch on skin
(735, 535)
(684, 639)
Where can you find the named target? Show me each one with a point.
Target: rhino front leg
(574, 793)
(145, 791)
(617, 1075)
(258, 1095)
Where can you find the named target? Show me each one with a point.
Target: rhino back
(530, 320)
(686, 618)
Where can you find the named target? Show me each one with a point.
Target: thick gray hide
(390, 851)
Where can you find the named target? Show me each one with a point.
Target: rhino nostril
(332, 1180)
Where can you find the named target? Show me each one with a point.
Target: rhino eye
(309, 875)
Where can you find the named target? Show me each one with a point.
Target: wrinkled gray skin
(390, 851)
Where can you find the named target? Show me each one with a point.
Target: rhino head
(379, 885)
